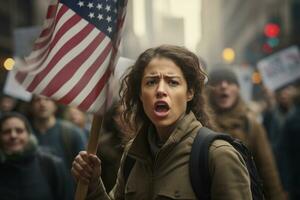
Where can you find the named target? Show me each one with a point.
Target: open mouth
(161, 107)
(224, 96)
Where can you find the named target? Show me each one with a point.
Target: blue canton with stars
(101, 13)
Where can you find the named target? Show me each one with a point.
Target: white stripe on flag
(99, 101)
(80, 72)
(73, 53)
(59, 44)
(69, 34)
(92, 82)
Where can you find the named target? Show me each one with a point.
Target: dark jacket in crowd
(162, 171)
(291, 149)
(64, 140)
(32, 175)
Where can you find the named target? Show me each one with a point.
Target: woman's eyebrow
(164, 75)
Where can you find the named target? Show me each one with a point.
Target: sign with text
(281, 68)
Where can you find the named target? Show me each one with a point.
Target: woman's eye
(150, 82)
(173, 83)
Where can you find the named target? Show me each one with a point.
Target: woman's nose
(161, 89)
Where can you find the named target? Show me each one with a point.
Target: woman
(25, 172)
(162, 96)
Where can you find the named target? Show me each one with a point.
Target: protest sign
(281, 68)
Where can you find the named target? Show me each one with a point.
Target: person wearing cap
(233, 116)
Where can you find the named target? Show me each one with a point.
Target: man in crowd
(233, 116)
(58, 136)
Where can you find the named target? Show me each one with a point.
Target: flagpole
(92, 146)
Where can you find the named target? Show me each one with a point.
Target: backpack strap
(199, 169)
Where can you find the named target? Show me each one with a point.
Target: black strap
(198, 164)
(199, 169)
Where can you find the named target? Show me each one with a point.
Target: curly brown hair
(192, 70)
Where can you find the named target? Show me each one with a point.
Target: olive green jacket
(166, 176)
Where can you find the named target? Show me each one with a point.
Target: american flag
(73, 59)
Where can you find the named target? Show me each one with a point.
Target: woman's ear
(190, 94)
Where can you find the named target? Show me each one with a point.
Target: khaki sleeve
(228, 171)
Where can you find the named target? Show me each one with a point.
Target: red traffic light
(272, 30)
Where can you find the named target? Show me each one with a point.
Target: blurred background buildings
(235, 32)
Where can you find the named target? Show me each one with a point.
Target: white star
(90, 5)
(99, 6)
(100, 17)
(108, 18)
(91, 15)
(80, 3)
(109, 29)
(107, 8)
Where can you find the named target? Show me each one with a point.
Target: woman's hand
(86, 167)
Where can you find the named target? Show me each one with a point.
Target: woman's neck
(165, 132)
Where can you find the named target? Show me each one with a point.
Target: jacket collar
(140, 147)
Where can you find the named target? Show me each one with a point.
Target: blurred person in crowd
(274, 115)
(291, 148)
(163, 100)
(112, 140)
(273, 119)
(78, 118)
(61, 137)
(233, 116)
(7, 103)
(26, 172)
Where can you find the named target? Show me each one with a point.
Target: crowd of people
(164, 101)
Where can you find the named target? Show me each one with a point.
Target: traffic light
(272, 33)
(272, 30)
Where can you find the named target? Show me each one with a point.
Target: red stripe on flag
(86, 77)
(90, 99)
(70, 23)
(51, 11)
(70, 69)
(39, 58)
(60, 13)
(47, 30)
(65, 48)
(42, 44)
